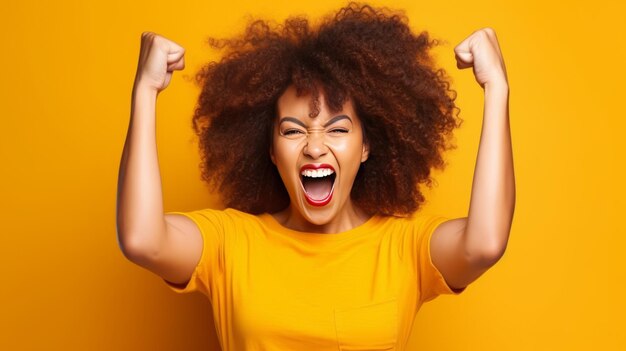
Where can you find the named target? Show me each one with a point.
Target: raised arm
(169, 247)
(464, 248)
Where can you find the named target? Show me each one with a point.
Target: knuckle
(481, 34)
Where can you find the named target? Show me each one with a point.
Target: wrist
(496, 90)
(501, 85)
(141, 90)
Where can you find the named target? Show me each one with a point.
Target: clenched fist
(158, 59)
(481, 52)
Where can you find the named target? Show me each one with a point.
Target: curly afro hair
(362, 53)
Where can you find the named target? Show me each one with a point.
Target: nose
(315, 146)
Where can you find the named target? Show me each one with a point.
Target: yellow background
(67, 72)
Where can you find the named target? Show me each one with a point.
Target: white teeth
(317, 173)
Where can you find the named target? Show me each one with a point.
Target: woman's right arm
(170, 246)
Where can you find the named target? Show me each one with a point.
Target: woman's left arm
(462, 249)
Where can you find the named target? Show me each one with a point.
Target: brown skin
(464, 248)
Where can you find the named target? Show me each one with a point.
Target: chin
(317, 215)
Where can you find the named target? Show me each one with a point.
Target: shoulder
(218, 221)
(223, 215)
(415, 222)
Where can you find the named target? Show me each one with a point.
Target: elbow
(137, 249)
(484, 247)
(487, 255)
(141, 246)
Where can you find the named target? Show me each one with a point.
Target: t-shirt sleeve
(210, 266)
(432, 283)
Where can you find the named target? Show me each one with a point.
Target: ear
(365, 153)
(272, 155)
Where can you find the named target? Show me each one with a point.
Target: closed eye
(292, 132)
(339, 130)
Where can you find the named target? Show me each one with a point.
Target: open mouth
(318, 183)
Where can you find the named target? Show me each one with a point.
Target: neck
(350, 217)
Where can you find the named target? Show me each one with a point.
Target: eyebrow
(300, 123)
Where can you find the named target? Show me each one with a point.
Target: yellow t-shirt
(276, 289)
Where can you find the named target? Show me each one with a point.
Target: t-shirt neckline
(270, 222)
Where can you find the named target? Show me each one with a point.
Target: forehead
(292, 105)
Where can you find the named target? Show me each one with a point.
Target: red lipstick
(309, 199)
(316, 166)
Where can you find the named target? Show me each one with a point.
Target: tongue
(317, 188)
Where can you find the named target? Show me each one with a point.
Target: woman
(318, 139)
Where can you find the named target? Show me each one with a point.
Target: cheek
(348, 148)
(286, 153)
